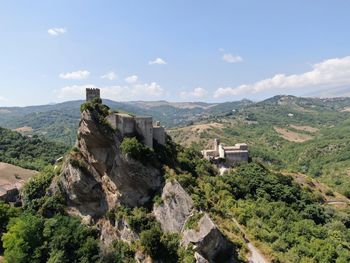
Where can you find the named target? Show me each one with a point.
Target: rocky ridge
(96, 178)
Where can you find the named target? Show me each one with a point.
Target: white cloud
(331, 73)
(110, 76)
(131, 79)
(80, 74)
(157, 61)
(152, 89)
(3, 99)
(231, 58)
(117, 92)
(57, 31)
(196, 93)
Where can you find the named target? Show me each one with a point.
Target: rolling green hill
(305, 135)
(59, 122)
(28, 152)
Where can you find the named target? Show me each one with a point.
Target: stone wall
(129, 126)
(159, 134)
(236, 156)
(144, 127)
(125, 124)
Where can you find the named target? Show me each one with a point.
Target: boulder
(175, 208)
(208, 241)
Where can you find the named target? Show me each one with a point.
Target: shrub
(35, 189)
(121, 253)
(192, 222)
(138, 151)
(151, 242)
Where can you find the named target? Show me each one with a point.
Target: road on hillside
(255, 255)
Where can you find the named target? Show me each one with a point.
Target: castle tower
(216, 144)
(92, 94)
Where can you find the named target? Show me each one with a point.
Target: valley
(285, 205)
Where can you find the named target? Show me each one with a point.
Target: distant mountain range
(59, 121)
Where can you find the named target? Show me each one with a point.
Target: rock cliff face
(208, 241)
(98, 176)
(176, 208)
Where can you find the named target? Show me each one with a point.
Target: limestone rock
(125, 233)
(199, 258)
(83, 191)
(175, 208)
(107, 178)
(208, 241)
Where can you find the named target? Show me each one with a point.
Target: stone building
(129, 125)
(92, 94)
(231, 154)
(159, 133)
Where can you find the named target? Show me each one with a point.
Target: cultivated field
(292, 136)
(11, 175)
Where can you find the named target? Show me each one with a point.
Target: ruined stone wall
(221, 151)
(112, 119)
(126, 124)
(144, 127)
(159, 134)
(236, 156)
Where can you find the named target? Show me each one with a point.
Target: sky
(179, 50)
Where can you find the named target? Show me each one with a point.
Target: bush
(34, 191)
(138, 151)
(160, 246)
(151, 242)
(121, 252)
(31, 238)
(192, 222)
(6, 213)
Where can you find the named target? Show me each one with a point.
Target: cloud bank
(197, 93)
(118, 93)
(331, 73)
(231, 58)
(131, 79)
(109, 76)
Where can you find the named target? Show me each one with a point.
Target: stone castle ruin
(129, 125)
(92, 94)
(231, 154)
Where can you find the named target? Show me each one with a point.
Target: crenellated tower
(92, 93)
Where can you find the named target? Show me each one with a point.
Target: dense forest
(289, 222)
(286, 133)
(28, 152)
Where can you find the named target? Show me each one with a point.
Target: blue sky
(180, 50)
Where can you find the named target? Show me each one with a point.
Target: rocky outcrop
(119, 230)
(98, 177)
(175, 208)
(208, 241)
